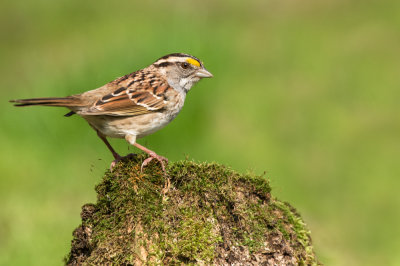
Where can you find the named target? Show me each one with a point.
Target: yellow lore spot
(193, 62)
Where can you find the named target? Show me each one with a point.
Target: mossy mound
(209, 215)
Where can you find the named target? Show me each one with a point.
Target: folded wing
(127, 103)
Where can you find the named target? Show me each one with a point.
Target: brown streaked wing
(128, 104)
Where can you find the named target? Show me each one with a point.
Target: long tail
(60, 102)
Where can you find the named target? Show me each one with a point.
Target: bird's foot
(119, 158)
(162, 160)
(159, 158)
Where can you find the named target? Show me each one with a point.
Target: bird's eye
(185, 65)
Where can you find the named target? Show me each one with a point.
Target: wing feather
(139, 97)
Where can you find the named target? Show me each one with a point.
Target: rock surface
(210, 214)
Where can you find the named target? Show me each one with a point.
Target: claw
(159, 158)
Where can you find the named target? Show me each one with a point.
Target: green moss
(210, 214)
(195, 237)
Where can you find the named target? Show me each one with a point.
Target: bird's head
(182, 71)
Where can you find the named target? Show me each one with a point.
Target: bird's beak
(203, 73)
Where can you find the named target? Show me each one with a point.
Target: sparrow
(135, 105)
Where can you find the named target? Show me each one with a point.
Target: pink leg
(117, 157)
(153, 155)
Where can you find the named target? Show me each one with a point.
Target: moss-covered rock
(209, 215)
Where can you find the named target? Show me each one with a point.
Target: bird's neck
(182, 85)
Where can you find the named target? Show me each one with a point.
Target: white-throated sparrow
(137, 104)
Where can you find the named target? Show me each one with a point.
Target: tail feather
(52, 101)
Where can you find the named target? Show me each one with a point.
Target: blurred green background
(307, 91)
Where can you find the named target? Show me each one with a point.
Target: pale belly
(139, 126)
